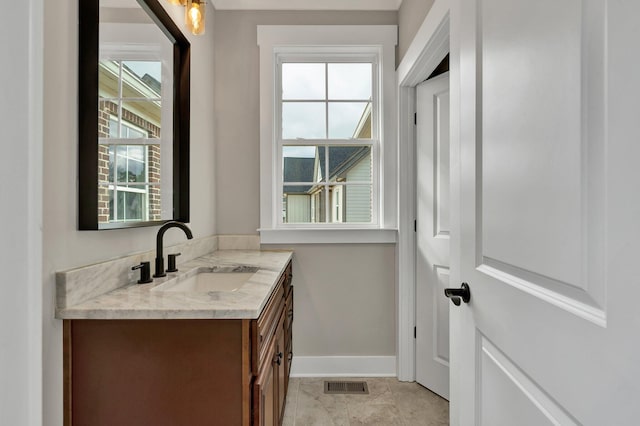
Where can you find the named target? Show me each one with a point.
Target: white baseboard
(343, 366)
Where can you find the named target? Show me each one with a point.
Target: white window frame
(329, 41)
(329, 55)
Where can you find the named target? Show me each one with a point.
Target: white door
(546, 212)
(432, 239)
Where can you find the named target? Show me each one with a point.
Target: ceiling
(306, 4)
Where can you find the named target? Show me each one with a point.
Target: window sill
(328, 236)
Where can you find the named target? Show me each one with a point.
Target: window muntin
(327, 142)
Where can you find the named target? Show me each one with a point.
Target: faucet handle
(172, 262)
(145, 272)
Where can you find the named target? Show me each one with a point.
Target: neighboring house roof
(152, 83)
(341, 159)
(363, 129)
(298, 170)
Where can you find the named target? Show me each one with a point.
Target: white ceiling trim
(306, 4)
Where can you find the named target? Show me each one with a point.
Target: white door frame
(428, 48)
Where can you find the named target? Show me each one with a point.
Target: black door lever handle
(456, 294)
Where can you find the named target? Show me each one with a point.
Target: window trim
(325, 40)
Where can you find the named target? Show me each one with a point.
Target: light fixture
(195, 15)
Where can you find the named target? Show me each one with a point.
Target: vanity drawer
(289, 310)
(263, 329)
(288, 275)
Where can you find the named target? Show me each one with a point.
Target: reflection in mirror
(140, 142)
(134, 115)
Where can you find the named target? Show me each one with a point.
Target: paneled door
(432, 234)
(546, 212)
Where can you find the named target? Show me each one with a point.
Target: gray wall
(344, 300)
(410, 16)
(64, 247)
(237, 109)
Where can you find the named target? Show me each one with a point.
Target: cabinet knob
(279, 356)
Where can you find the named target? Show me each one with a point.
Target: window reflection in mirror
(134, 116)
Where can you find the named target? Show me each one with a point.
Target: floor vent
(346, 387)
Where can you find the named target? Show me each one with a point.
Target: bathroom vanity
(165, 354)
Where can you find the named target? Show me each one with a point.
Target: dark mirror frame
(89, 27)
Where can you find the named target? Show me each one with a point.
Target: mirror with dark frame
(133, 115)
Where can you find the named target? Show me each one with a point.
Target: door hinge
(415, 226)
(415, 118)
(415, 332)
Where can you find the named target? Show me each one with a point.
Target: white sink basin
(205, 282)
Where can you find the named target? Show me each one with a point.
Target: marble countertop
(138, 301)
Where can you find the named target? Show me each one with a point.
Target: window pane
(119, 207)
(296, 204)
(350, 81)
(357, 202)
(121, 164)
(350, 164)
(141, 119)
(130, 163)
(130, 203)
(111, 211)
(303, 81)
(304, 120)
(349, 120)
(136, 170)
(300, 164)
(304, 204)
(141, 79)
(112, 163)
(135, 205)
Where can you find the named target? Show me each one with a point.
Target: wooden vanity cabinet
(270, 339)
(265, 393)
(180, 372)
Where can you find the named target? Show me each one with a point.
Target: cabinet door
(265, 392)
(288, 353)
(281, 366)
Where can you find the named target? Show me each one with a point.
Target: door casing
(429, 47)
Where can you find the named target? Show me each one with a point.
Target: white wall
(64, 247)
(344, 297)
(410, 16)
(21, 214)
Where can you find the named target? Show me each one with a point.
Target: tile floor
(389, 403)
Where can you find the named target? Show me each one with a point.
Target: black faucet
(159, 256)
